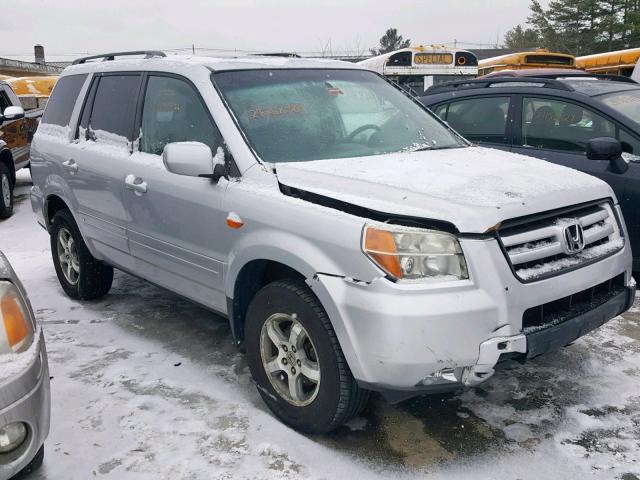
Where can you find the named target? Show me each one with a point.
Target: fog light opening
(446, 375)
(12, 436)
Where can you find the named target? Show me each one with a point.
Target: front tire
(6, 192)
(296, 361)
(80, 274)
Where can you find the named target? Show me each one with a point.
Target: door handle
(136, 184)
(70, 165)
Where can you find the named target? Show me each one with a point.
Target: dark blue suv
(572, 121)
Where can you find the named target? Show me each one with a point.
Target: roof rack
(486, 83)
(278, 54)
(580, 75)
(597, 76)
(111, 56)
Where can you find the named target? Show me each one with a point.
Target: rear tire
(80, 274)
(6, 192)
(307, 405)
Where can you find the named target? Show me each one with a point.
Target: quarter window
(173, 112)
(63, 100)
(478, 119)
(558, 125)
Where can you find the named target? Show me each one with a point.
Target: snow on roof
(182, 62)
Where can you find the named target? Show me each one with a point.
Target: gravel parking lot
(148, 385)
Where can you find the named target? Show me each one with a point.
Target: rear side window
(63, 99)
(478, 119)
(174, 112)
(113, 110)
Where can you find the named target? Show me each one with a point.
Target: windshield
(300, 115)
(627, 103)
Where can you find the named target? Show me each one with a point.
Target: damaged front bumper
(409, 340)
(535, 343)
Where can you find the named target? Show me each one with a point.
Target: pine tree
(391, 41)
(611, 23)
(581, 27)
(519, 38)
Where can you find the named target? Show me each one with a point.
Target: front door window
(559, 125)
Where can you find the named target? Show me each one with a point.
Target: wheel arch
(53, 204)
(250, 278)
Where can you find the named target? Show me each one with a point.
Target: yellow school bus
(540, 58)
(33, 92)
(42, 85)
(419, 67)
(621, 62)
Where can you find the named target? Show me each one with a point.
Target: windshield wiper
(430, 147)
(422, 149)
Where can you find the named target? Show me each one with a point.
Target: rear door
(176, 226)
(485, 120)
(98, 166)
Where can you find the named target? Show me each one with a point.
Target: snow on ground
(148, 386)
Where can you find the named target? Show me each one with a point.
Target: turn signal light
(381, 247)
(18, 328)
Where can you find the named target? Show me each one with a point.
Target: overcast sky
(69, 28)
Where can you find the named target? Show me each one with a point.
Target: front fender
(283, 247)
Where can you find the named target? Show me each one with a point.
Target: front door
(558, 131)
(176, 221)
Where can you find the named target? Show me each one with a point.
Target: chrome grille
(537, 247)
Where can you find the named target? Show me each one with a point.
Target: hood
(473, 188)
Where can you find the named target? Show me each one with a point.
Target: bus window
(400, 59)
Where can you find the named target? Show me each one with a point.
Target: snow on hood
(474, 188)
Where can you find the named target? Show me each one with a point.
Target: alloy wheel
(68, 256)
(289, 359)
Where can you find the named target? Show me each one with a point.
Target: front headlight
(407, 253)
(16, 328)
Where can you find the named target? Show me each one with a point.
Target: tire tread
(96, 277)
(352, 398)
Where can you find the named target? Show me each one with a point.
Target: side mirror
(194, 159)
(12, 113)
(607, 148)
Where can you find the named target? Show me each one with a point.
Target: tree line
(579, 27)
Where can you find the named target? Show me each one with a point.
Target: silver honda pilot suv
(355, 242)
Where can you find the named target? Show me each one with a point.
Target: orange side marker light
(234, 221)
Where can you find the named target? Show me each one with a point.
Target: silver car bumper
(413, 338)
(26, 398)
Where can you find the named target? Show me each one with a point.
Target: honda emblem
(573, 237)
